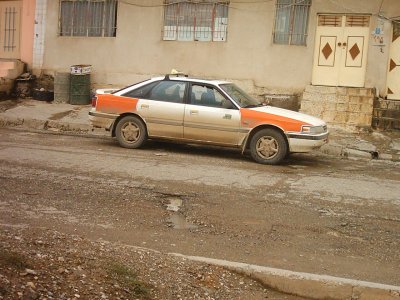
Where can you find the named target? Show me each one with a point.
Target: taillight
(94, 101)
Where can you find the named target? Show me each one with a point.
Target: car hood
(290, 114)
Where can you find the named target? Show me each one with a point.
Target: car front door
(162, 108)
(210, 117)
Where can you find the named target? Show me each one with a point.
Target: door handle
(194, 112)
(144, 106)
(344, 44)
(339, 44)
(227, 117)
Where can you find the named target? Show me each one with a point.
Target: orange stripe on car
(252, 118)
(112, 104)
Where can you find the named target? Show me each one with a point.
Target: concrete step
(6, 85)
(11, 68)
(3, 72)
(353, 91)
(6, 64)
(320, 89)
(341, 106)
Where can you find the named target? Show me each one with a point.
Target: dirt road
(314, 214)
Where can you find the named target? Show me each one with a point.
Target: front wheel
(268, 146)
(130, 132)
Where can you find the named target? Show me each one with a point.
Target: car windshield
(239, 96)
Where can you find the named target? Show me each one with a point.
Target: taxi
(190, 110)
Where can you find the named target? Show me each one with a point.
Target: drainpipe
(39, 36)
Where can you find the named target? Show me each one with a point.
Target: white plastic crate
(81, 69)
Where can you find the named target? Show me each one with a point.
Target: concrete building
(267, 46)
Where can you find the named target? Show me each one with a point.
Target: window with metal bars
(291, 22)
(330, 20)
(186, 20)
(357, 21)
(10, 20)
(91, 18)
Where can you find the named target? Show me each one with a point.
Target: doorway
(340, 55)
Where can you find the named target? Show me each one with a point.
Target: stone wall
(386, 114)
(340, 106)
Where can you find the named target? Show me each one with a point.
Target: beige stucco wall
(27, 29)
(248, 55)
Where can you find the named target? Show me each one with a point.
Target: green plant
(14, 260)
(129, 279)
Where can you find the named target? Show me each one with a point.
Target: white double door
(340, 56)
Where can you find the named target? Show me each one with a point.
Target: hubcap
(130, 132)
(267, 147)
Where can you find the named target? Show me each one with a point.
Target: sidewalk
(41, 115)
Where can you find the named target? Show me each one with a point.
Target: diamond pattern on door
(326, 57)
(327, 51)
(354, 55)
(392, 65)
(354, 51)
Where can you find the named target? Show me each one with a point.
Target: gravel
(38, 263)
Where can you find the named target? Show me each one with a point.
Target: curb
(343, 151)
(307, 285)
(44, 125)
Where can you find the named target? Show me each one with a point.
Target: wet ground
(315, 213)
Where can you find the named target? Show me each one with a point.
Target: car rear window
(142, 91)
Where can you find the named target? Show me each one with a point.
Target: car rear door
(210, 117)
(162, 108)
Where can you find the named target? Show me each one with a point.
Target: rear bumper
(101, 120)
(306, 143)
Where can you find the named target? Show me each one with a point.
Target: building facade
(271, 46)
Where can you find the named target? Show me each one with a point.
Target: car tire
(131, 132)
(268, 146)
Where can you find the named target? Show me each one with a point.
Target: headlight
(313, 129)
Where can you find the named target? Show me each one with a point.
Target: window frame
(188, 31)
(107, 30)
(253, 102)
(182, 100)
(294, 4)
(215, 88)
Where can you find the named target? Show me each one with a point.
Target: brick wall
(341, 106)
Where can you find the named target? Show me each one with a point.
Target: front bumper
(306, 142)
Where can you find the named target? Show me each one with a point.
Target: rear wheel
(268, 146)
(131, 132)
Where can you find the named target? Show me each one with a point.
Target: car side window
(208, 96)
(142, 91)
(168, 91)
